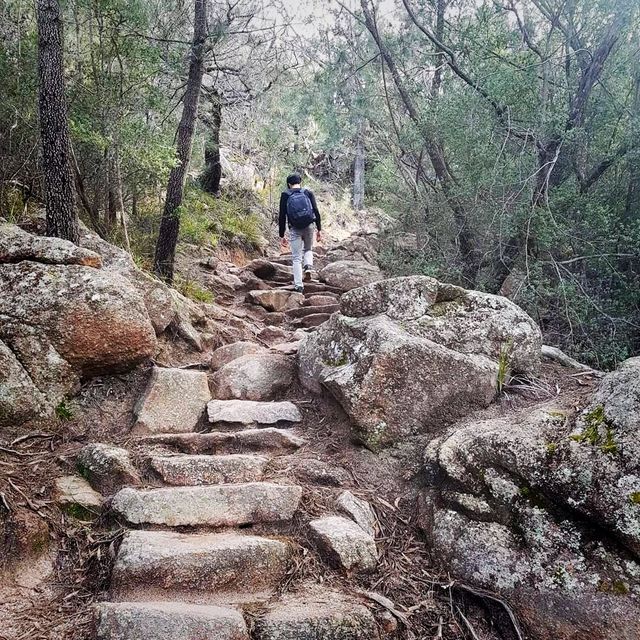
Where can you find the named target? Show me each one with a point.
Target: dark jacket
(282, 220)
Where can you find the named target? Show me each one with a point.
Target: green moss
(374, 438)
(598, 431)
(615, 587)
(551, 447)
(63, 411)
(634, 498)
(78, 512)
(337, 362)
(531, 496)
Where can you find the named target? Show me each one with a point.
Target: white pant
(301, 241)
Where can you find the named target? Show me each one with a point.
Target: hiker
(298, 210)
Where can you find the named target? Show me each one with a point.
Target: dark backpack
(299, 209)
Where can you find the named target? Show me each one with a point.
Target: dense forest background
(501, 137)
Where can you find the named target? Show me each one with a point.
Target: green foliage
(193, 290)
(504, 365)
(63, 411)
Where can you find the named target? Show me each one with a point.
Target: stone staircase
(209, 540)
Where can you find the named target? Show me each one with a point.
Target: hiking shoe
(298, 288)
(307, 272)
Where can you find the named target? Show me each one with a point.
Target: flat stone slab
(267, 440)
(168, 621)
(323, 615)
(74, 490)
(226, 505)
(359, 511)
(190, 470)
(252, 412)
(196, 567)
(344, 544)
(173, 401)
(309, 310)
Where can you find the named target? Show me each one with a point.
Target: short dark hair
(294, 178)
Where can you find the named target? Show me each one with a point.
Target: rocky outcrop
(61, 319)
(409, 355)
(545, 508)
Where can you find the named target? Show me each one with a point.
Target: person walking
(299, 211)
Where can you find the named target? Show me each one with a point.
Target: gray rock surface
(249, 412)
(108, 468)
(359, 511)
(230, 352)
(319, 615)
(227, 505)
(61, 320)
(17, 245)
(276, 299)
(344, 544)
(173, 401)
(192, 470)
(545, 508)
(350, 274)
(415, 355)
(254, 377)
(197, 567)
(168, 621)
(268, 439)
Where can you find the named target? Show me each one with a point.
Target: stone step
(202, 568)
(321, 299)
(320, 287)
(308, 311)
(223, 505)
(322, 614)
(188, 470)
(313, 320)
(267, 440)
(251, 412)
(167, 621)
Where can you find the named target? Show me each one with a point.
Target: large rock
(62, 318)
(173, 401)
(410, 355)
(261, 376)
(228, 352)
(545, 509)
(350, 274)
(17, 245)
(276, 299)
(95, 320)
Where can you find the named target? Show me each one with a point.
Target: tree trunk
(170, 223)
(62, 217)
(212, 169)
(358, 170)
